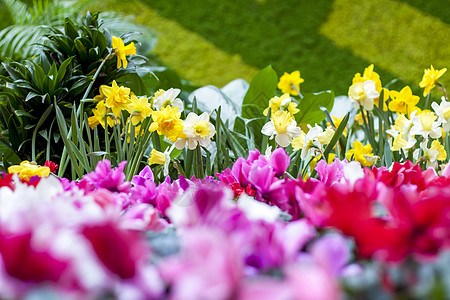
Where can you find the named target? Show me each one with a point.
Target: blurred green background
(214, 42)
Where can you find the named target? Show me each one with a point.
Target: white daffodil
(401, 143)
(404, 126)
(283, 127)
(443, 112)
(363, 94)
(197, 131)
(426, 124)
(434, 153)
(169, 97)
(315, 140)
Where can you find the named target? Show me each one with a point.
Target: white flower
(169, 97)
(425, 124)
(363, 94)
(283, 127)
(197, 131)
(257, 210)
(434, 153)
(443, 113)
(315, 139)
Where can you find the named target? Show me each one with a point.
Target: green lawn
(283, 34)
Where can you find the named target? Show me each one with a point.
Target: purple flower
(207, 268)
(279, 161)
(332, 252)
(105, 177)
(145, 175)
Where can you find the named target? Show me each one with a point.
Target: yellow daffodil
(197, 131)
(117, 98)
(282, 103)
(167, 122)
(290, 83)
(27, 169)
(122, 51)
(368, 74)
(160, 158)
(362, 154)
(403, 102)
(139, 108)
(430, 78)
(157, 158)
(100, 111)
(437, 146)
(283, 127)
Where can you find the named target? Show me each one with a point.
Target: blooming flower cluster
(260, 240)
(87, 240)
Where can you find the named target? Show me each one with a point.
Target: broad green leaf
(261, 89)
(310, 112)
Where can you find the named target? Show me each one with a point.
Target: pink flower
(207, 268)
(105, 177)
(119, 250)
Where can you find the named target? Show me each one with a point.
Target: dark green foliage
(60, 74)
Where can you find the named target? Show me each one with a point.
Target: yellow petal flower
(290, 83)
(117, 98)
(157, 157)
(430, 78)
(167, 122)
(360, 153)
(436, 145)
(27, 169)
(122, 51)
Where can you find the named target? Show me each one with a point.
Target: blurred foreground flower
(27, 169)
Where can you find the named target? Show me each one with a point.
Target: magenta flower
(119, 250)
(279, 161)
(105, 177)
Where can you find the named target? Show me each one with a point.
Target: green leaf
(261, 89)
(97, 153)
(310, 112)
(336, 136)
(39, 124)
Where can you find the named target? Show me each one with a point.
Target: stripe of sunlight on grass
(191, 56)
(393, 35)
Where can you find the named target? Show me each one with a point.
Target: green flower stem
(199, 162)
(368, 131)
(427, 101)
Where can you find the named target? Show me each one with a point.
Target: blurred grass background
(214, 42)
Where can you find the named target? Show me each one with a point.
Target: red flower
(119, 250)
(52, 166)
(27, 264)
(6, 180)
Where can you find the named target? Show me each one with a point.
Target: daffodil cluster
(411, 131)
